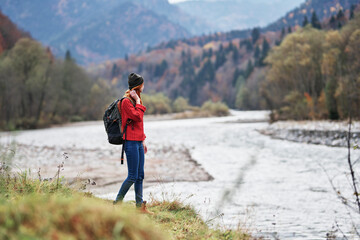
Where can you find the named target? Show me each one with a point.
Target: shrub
(157, 104)
(296, 107)
(181, 104)
(215, 108)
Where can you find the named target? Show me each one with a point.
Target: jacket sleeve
(135, 113)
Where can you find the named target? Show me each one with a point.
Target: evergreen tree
(249, 69)
(331, 104)
(236, 75)
(209, 71)
(257, 52)
(265, 48)
(332, 22)
(68, 56)
(235, 54)
(183, 54)
(183, 68)
(255, 35)
(206, 74)
(264, 52)
(220, 59)
(114, 71)
(197, 61)
(230, 47)
(315, 23)
(289, 29)
(247, 44)
(283, 32)
(305, 22)
(221, 48)
(340, 14)
(210, 52)
(188, 55)
(161, 68)
(352, 9)
(339, 25)
(204, 54)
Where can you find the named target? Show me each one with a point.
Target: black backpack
(112, 123)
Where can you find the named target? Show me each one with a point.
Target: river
(273, 188)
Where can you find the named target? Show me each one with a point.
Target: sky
(176, 1)
(275, 1)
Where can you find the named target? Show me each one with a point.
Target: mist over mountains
(227, 15)
(96, 30)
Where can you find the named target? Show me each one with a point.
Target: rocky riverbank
(100, 170)
(330, 133)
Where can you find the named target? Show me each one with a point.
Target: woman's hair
(137, 90)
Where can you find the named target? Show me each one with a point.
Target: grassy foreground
(35, 209)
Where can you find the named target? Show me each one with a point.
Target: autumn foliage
(315, 74)
(9, 33)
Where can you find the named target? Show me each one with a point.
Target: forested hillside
(37, 89)
(227, 67)
(324, 10)
(96, 30)
(194, 72)
(9, 33)
(315, 74)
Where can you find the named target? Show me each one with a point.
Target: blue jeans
(134, 151)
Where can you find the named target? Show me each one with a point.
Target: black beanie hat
(134, 80)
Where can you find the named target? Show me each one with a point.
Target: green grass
(34, 209)
(182, 222)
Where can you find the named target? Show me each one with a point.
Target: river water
(273, 188)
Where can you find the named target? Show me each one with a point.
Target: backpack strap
(122, 149)
(133, 103)
(128, 121)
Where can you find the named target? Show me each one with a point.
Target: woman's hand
(145, 147)
(135, 96)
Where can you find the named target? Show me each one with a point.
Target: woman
(132, 112)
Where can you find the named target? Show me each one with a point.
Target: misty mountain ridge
(324, 9)
(99, 30)
(230, 15)
(82, 26)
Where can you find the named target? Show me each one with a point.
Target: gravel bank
(328, 133)
(163, 164)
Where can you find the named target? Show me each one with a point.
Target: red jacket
(135, 130)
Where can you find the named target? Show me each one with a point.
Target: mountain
(99, 30)
(128, 28)
(195, 24)
(225, 66)
(324, 10)
(227, 15)
(95, 30)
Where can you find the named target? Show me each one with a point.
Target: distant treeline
(37, 89)
(315, 74)
(222, 67)
(217, 71)
(159, 103)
